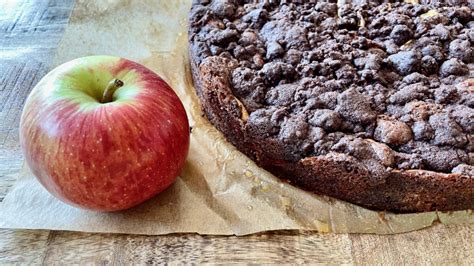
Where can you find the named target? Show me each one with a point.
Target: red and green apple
(104, 133)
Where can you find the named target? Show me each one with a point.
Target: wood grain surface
(29, 35)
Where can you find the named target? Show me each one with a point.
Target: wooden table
(30, 32)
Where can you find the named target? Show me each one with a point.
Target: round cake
(365, 101)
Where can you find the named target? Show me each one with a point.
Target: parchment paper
(220, 191)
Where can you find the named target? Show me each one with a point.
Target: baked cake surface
(368, 102)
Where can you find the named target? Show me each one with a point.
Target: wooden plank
(22, 246)
(440, 245)
(282, 247)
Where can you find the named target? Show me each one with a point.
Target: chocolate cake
(371, 102)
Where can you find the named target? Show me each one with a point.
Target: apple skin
(104, 156)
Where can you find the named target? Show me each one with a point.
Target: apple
(104, 133)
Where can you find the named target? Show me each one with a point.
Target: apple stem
(110, 90)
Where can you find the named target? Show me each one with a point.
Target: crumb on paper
(264, 187)
(322, 227)
(248, 173)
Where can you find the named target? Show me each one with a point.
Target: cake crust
(347, 147)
